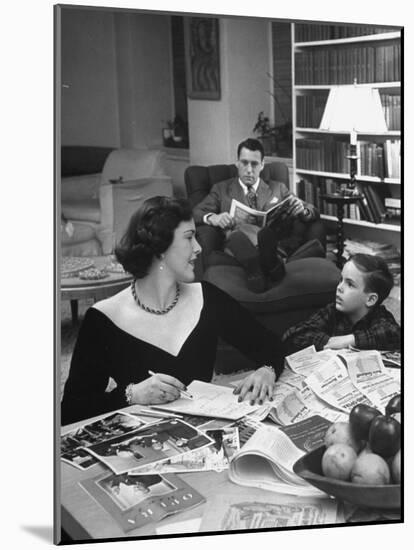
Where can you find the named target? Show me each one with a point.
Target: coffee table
(74, 288)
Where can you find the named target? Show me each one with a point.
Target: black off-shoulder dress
(103, 350)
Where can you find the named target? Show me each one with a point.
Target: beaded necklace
(150, 309)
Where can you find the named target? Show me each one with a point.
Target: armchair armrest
(119, 201)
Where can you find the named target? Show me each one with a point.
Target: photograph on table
(156, 443)
(73, 443)
(249, 344)
(214, 457)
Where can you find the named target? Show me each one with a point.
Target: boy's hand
(340, 342)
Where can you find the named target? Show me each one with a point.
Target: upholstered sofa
(100, 189)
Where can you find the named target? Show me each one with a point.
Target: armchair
(100, 189)
(309, 283)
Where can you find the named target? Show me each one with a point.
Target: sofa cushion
(309, 282)
(86, 210)
(80, 187)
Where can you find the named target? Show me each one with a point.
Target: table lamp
(354, 109)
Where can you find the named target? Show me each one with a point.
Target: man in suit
(262, 252)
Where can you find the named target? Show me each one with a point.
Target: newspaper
(304, 362)
(266, 460)
(332, 384)
(261, 511)
(368, 374)
(241, 213)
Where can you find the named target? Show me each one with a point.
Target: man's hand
(223, 220)
(296, 208)
(340, 342)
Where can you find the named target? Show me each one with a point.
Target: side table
(74, 289)
(340, 201)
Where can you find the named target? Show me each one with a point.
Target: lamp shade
(353, 108)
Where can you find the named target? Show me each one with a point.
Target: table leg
(74, 311)
(340, 237)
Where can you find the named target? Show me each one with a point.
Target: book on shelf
(266, 460)
(375, 63)
(242, 213)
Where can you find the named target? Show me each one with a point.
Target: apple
(370, 469)
(385, 436)
(340, 432)
(396, 467)
(394, 405)
(360, 419)
(338, 460)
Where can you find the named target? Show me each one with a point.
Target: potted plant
(265, 133)
(175, 134)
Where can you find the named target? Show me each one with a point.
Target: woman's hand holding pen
(158, 388)
(257, 387)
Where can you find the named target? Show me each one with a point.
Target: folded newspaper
(266, 460)
(242, 213)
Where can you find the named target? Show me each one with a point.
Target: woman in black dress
(164, 322)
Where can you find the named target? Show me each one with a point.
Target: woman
(163, 322)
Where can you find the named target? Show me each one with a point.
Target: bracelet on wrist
(128, 393)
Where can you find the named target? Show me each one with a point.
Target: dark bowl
(366, 496)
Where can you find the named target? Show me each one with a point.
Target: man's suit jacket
(221, 194)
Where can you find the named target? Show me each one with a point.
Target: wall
(118, 72)
(216, 127)
(89, 94)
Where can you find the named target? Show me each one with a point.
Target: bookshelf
(325, 57)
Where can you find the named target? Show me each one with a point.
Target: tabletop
(84, 519)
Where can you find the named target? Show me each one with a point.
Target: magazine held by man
(279, 212)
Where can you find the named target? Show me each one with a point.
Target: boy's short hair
(377, 276)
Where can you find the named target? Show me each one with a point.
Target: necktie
(251, 197)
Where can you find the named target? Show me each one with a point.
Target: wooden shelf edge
(393, 35)
(364, 223)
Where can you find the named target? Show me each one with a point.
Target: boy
(356, 318)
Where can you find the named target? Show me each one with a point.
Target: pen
(151, 412)
(182, 392)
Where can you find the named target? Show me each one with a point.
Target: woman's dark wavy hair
(377, 276)
(150, 232)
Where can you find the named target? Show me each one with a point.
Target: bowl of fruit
(360, 461)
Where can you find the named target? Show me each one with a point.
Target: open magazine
(266, 460)
(244, 214)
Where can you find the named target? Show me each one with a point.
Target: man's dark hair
(251, 144)
(150, 232)
(377, 276)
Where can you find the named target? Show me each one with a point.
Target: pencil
(182, 392)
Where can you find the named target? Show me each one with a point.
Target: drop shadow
(43, 532)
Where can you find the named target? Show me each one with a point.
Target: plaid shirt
(376, 330)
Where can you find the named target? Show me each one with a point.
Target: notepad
(210, 400)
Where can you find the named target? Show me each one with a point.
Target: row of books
(391, 104)
(380, 160)
(344, 64)
(310, 109)
(305, 32)
(370, 208)
(324, 155)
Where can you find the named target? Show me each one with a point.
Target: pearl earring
(161, 267)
